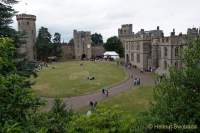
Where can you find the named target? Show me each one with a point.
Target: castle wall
(67, 51)
(151, 49)
(97, 51)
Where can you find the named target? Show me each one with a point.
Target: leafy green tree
(57, 51)
(54, 121)
(16, 98)
(71, 41)
(177, 97)
(103, 120)
(6, 14)
(114, 44)
(57, 38)
(43, 44)
(97, 39)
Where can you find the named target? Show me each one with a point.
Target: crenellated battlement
(26, 17)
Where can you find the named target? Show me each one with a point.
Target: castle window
(165, 65)
(138, 58)
(165, 51)
(126, 46)
(132, 47)
(132, 56)
(138, 47)
(176, 64)
(27, 23)
(176, 51)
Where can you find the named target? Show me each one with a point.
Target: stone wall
(147, 49)
(67, 51)
(97, 51)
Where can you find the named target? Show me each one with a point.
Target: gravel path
(82, 101)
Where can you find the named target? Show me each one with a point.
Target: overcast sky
(106, 16)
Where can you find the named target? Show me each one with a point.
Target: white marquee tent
(111, 54)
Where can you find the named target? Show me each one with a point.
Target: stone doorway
(83, 56)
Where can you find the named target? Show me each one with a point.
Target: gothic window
(132, 56)
(165, 65)
(176, 64)
(176, 51)
(138, 58)
(132, 47)
(126, 46)
(165, 51)
(27, 23)
(138, 47)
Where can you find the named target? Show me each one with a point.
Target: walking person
(91, 104)
(135, 81)
(138, 81)
(103, 91)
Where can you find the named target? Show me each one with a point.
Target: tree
(57, 51)
(16, 98)
(54, 121)
(114, 44)
(102, 120)
(71, 41)
(57, 38)
(6, 14)
(43, 44)
(97, 39)
(177, 97)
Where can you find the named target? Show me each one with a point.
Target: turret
(26, 25)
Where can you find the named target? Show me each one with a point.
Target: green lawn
(132, 101)
(70, 79)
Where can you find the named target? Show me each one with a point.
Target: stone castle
(144, 49)
(152, 50)
(26, 25)
(81, 48)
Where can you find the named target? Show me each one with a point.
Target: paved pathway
(82, 101)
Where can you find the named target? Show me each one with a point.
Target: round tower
(27, 26)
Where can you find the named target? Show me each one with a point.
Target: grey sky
(106, 16)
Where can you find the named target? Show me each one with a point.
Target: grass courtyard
(130, 102)
(70, 79)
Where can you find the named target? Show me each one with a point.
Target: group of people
(93, 104)
(91, 78)
(136, 81)
(40, 66)
(105, 92)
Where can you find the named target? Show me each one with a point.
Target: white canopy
(111, 54)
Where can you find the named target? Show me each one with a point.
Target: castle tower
(82, 44)
(26, 25)
(125, 32)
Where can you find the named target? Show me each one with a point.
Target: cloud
(106, 16)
